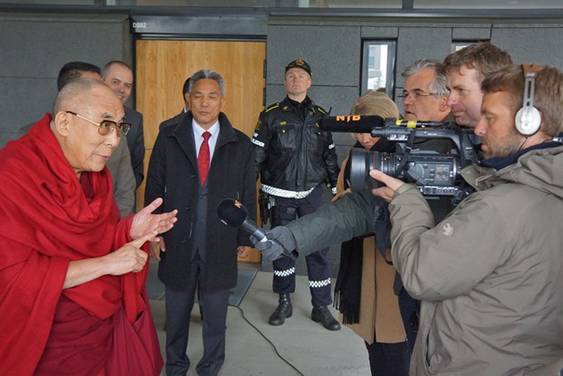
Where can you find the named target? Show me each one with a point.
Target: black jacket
(292, 152)
(173, 175)
(172, 121)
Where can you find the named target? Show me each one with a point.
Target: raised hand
(145, 221)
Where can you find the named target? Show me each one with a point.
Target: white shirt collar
(214, 129)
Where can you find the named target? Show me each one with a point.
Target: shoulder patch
(272, 107)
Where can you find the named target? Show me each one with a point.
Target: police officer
(294, 157)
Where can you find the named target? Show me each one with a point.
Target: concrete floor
(310, 348)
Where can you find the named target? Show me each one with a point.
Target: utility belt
(267, 199)
(278, 192)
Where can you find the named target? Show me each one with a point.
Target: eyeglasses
(415, 94)
(106, 126)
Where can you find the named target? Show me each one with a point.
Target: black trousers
(318, 268)
(179, 304)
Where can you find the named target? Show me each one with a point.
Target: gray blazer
(119, 164)
(136, 143)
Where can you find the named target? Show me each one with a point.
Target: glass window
(349, 4)
(460, 44)
(50, 2)
(378, 65)
(487, 4)
(456, 46)
(369, 4)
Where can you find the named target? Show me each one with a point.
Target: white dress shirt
(198, 137)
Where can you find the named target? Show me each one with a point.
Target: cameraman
(489, 274)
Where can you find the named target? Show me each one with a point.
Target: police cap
(299, 63)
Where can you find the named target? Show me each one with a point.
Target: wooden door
(162, 66)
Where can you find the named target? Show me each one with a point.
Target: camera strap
(381, 225)
(406, 152)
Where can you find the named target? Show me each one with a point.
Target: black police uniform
(294, 157)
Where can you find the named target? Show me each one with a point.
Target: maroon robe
(46, 221)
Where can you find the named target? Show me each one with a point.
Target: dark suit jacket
(173, 175)
(172, 121)
(136, 142)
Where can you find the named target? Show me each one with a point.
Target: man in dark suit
(119, 77)
(195, 164)
(185, 96)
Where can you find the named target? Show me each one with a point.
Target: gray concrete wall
(34, 47)
(540, 44)
(333, 48)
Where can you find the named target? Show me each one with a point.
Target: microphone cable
(268, 340)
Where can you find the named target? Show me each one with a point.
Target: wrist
(104, 265)
(127, 223)
(82, 271)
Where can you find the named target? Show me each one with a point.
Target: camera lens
(388, 163)
(362, 161)
(359, 169)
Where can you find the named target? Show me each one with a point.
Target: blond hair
(484, 57)
(375, 103)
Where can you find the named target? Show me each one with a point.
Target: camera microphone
(367, 123)
(351, 123)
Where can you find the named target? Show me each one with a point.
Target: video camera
(435, 172)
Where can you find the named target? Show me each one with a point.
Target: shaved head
(79, 109)
(75, 91)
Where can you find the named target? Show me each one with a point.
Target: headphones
(528, 118)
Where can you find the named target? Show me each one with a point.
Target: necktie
(203, 159)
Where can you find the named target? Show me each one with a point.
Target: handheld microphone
(233, 213)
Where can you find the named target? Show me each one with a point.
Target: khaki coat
(380, 317)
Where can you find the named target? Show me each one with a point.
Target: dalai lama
(72, 273)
